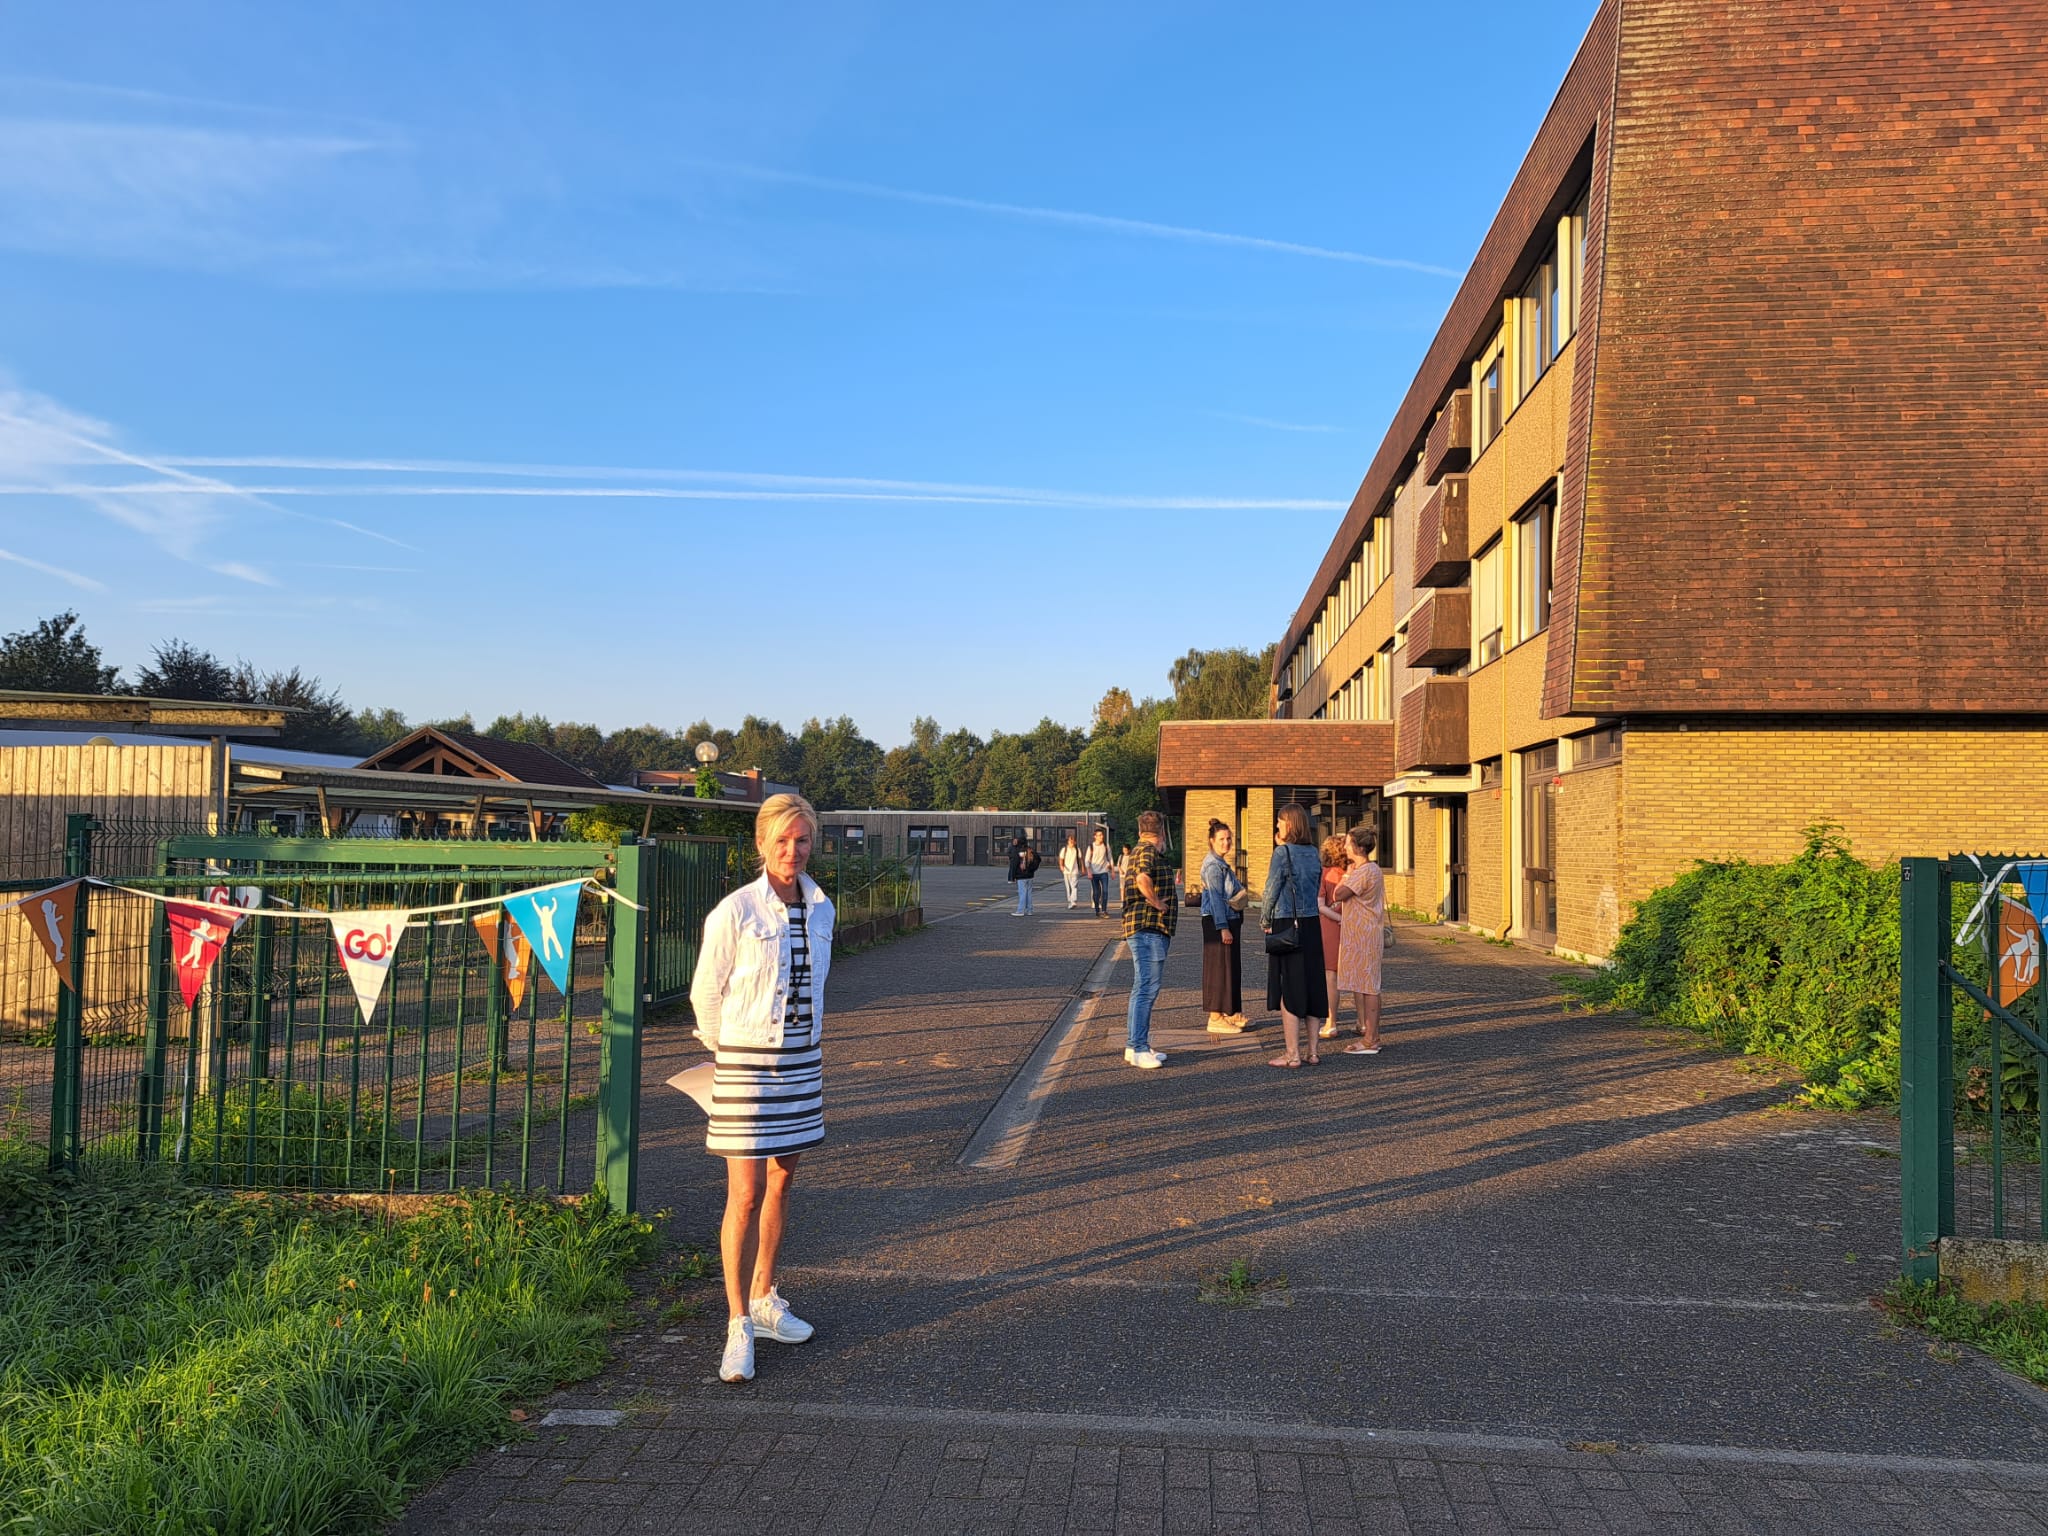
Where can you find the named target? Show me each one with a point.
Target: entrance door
(1539, 843)
(980, 851)
(1456, 841)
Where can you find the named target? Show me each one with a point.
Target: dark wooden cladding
(1430, 731)
(1449, 445)
(1443, 543)
(1440, 630)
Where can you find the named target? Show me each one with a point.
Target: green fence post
(259, 995)
(618, 1091)
(149, 1108)
(1923, 935)
(67, 1085)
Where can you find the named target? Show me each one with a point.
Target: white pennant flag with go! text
(367, 941)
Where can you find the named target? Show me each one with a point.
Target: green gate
(690, 876)
(272, 1080)
(1973, 1143)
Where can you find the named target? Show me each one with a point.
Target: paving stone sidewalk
(1525, 1271)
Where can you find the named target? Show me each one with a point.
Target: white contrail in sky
(1107, 223)
(57, 571)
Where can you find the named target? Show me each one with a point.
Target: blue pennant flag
(2034, 881)
(548, 919)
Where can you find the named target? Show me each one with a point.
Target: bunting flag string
(51, 915)
(238, 913)
(368, 943)
(550, 928)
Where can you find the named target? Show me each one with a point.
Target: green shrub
(1799, 961)
(174, 1360)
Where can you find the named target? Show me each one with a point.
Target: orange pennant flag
(486, 926)
(2019, 949)
(518, 967)
(51, 913)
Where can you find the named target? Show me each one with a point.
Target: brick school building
(1719, 503)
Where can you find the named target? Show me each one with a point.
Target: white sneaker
(737, 1364)
(772, 1319)
(1145, 1059)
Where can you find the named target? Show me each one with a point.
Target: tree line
(1108, 765)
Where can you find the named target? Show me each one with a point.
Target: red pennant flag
(50, 913)
(196, 938)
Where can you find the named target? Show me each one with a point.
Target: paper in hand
(696, 1082)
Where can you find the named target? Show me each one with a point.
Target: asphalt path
(1515, 1227)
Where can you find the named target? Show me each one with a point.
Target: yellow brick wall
(1588, 858)
(1256, 833)
(1420, 887)
(1735, 791)
(1194, 842)
(1483, 879)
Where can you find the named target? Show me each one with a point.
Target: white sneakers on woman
(737, 1364)
(772, 1319)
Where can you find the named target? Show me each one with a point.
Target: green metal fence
(272, 1080)
(874, 891)
(1973, 1142)
(690, 876)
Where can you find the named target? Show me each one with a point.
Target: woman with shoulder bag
(1294, 938)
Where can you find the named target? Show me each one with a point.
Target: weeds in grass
(179, 1360)
(2015, 1333)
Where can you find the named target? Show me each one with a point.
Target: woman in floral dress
(1361, 898)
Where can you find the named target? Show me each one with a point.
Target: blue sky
(648, 363)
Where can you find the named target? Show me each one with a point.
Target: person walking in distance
(1223, 901)
(1361, 897)
(1149, 915)
(1023, 865)
(1294, 937)
(759, 996)
(1100, 865)
(1070, 871)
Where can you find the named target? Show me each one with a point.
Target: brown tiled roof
(519, 761)
(1818, 466)
(1535, 196)
(1236, 753)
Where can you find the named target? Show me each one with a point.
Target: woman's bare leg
(1291, 1027)
(774, 1209)
(744, 1177)
(1369, 1017)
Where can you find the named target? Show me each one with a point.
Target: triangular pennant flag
(548, 919)
(367, 942)
(196, 938)
(2019, 949)
(2033, 880)
(486, 926)
(50, 913)
(518, 964)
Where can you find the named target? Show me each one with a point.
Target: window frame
(1488, 644)
(1542, 512)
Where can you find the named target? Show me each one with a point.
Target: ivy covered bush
(1798, 961)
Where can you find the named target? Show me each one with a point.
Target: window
(1534, 532)
(939, 842)
(1489, 773)
(1489, 393)
(1383, 683)
(853, 839)
(1486, 632)
(1383, 548)
(832, 838)
(1597, 747)
(1538, 307)
(1403, 839)
(1572, 241)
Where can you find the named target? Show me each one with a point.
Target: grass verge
(179, 1360)
(2015, 1334)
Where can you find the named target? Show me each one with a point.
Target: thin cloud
(58, 571)
(1273, 426)
(241, 572)
(976, 496)
(1106, 223)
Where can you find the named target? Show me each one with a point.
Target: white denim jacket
(741, 990)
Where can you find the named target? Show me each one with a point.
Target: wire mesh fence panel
(691, 876)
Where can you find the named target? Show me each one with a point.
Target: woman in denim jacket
(1294, 980)
(1223, 899)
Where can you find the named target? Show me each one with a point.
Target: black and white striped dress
(768, 1100)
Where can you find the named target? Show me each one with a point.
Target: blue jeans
(1148, 968)
(1098, 886)
(1023, 897)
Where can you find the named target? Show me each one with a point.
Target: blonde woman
(759, 996)
(1362, 899)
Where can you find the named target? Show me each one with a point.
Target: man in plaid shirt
(1149, 916)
